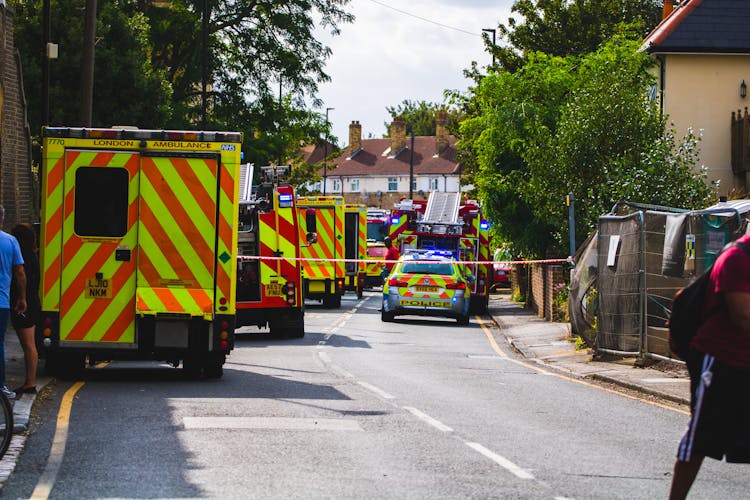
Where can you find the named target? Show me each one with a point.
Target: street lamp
(325, 154)
(411, 165)
(491, 30)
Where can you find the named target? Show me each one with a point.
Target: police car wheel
(463, 320)
(387, 316)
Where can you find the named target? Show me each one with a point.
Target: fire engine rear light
(397, 283)
(460, 285)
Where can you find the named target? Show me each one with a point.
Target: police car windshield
(439, 268)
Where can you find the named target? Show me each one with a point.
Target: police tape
(383, 261)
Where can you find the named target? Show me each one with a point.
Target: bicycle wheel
(6, 423)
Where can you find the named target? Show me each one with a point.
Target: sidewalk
(15, 373)
(550, 344)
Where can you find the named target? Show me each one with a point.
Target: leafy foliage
(553, 128)
(263, 66)
(563, 28)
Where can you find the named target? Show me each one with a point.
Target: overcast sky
(397, 50)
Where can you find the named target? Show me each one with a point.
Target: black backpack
(687, 309)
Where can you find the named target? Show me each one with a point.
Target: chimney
(441, 132)
(355, 137)
(398, 135)
(667, 8)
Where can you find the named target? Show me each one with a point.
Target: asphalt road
(418, 408)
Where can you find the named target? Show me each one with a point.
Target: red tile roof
(369, 160)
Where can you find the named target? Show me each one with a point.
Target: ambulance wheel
(66, 366)
(214, 365)
(191, 367)
(332, 301)
(387, 317)
(463, 320)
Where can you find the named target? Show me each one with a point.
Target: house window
(414, 184)
(434, 186)
(355, 186)
(336, 185)
(392, 183)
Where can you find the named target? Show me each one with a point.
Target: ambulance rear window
(101, 202)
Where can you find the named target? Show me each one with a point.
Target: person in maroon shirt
(719, 367)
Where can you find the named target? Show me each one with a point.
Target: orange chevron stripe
(227, 183)
(171, 201)
(120, 325)
(55, 175)
(202, 299)
(97, 307)
(171, 304)
(77, 287)
(187, 173)
(166, 245)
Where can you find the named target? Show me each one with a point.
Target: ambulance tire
(332, 301)
(478, 305)
(191, 367)
(65, 366)
(214, 365)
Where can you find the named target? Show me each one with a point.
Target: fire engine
(324, 273)
(269, 272)
(377, 229)
(138, 247)
(446, 222)
(355, 244)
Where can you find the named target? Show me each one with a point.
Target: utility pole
(411, 165)
(45, 61)
(325, 152)
(493, 31)
(87, 64)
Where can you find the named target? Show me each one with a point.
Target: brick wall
(17, 182)
(543, 279)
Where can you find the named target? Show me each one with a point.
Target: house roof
(374, 158)
(703, 26)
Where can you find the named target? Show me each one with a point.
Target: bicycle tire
(6, 423)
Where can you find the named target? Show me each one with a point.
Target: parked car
(500, 276)
(427, 283)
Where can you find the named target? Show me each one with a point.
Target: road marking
(379, 392)
(428, 419)
(275, 423)
(542, 371)
(501, 461)
(57, 451)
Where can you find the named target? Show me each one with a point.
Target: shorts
(28, 320)
(720, 411)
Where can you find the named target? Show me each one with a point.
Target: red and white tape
(383, 261)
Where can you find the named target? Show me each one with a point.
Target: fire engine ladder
(246, 181)
(442, 207)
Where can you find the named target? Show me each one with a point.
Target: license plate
(273, 289)
(98, 289)
(420, 288)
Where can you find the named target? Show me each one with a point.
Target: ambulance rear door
(98, 244)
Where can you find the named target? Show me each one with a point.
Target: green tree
(562, 27)
(553, 127)
(127, 87)
(420, 116)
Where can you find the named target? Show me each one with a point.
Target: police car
(427, 283)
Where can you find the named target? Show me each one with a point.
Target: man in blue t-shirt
(11, 263)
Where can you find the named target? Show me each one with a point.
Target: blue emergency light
(285, 200)
(484, 225)
(394, 220)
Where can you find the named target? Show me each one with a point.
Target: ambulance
(323, 270)
(138, 247)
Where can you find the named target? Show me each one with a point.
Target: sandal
(25, 390)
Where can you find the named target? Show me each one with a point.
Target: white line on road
(428, 419)
(372, 388)
(501, 461)
(284, 423)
